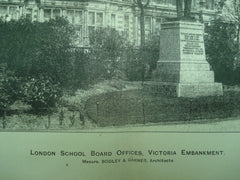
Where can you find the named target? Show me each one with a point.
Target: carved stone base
(184, 89)
(182, 69)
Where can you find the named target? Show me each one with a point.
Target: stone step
(183, 66)
(184, 89)
(184, 76)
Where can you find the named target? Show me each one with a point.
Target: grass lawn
(117, 103)
(136, 106)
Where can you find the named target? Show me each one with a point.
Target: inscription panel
(192, 44)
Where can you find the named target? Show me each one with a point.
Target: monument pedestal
(182, 69)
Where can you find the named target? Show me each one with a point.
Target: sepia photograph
(119, 89)
(73, 65)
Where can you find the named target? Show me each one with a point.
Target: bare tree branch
(141, 5)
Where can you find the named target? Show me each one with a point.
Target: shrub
(134, 66)
(105, 54)
(38, 48)
(221, 51)
(81, 76)
(9, 87)
(140, 62)
(41, 93)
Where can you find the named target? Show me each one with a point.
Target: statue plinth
(182, 69)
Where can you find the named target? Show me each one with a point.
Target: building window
(113, 20)
(99, 21)
(3, 10)
(91, 30)
(47, 14)
(126, 26)
(174, 2)
(70, 16)
(138, 33)
(158, 25)
(95, 20)
(35, 15)
(78, 17)
(29, 14)
(79, 34)
(209, 4)
(91, 23)
(91, 18)
(148, 23)
(13, 12)
(56, 13)
(148, 27)
(79, 22)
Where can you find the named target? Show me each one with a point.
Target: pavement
(228, 125)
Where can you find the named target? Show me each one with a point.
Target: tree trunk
(142, 27)
(237, 7)
(238, 46)
(238, 33)
(238, 26)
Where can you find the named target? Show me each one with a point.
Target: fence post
(97, 111)
(190, 109)
(143, 110)
(72, 119)
(61, 117)
(4, 119)
(47, 126)
(81, 117)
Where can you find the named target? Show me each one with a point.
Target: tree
(41, 93)
(81, 69)
(9, 88)
(35, 48)
(142, 4)
(142, 62)
(229, 12)
(228, 20)
(105, 54)
(150, 54)
(221, 51)
(237, 17)
(41, 56)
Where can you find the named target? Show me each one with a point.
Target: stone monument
(182, 69)
(186, 13)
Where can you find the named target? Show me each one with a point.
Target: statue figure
(228, 11)
(186, 13)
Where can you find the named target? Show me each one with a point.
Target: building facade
(87, 15)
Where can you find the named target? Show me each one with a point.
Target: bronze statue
(186, 13)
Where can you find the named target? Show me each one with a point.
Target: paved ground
(229, 125)
(217, 125)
